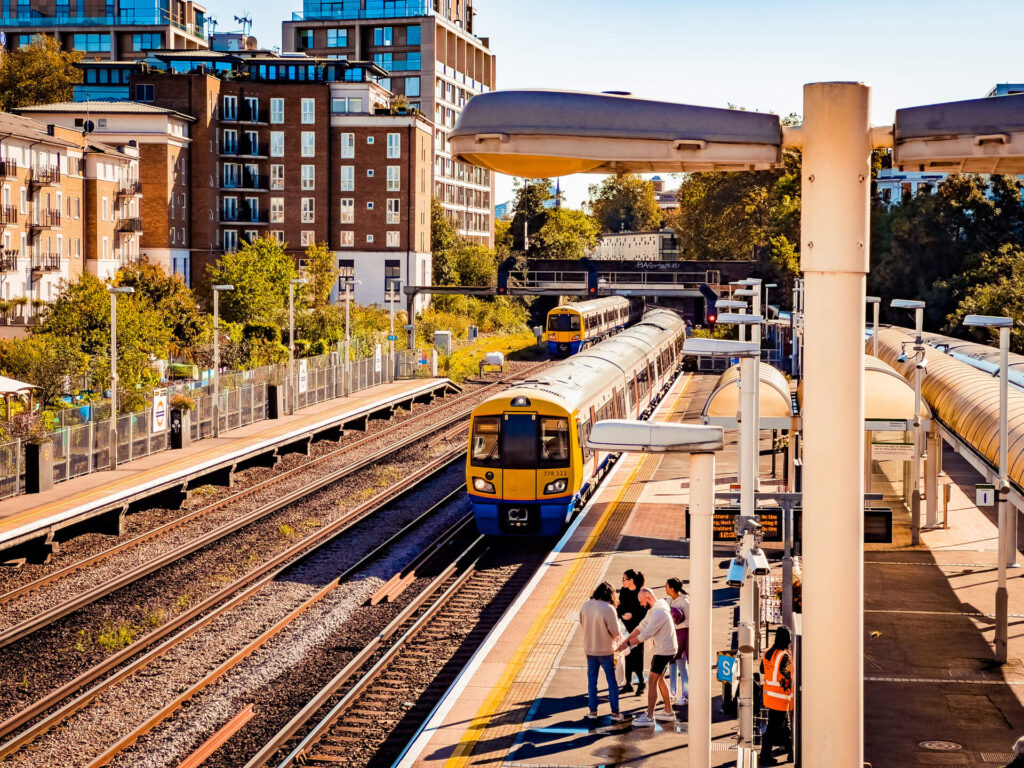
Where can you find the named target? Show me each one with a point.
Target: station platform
(32, 523)
(523, 699)
(932, 693)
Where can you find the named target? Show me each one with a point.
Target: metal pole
(748, 479)
(874, 332)
(1002, 620)
(702, 506)
(291, 348)
(216, 363)
(113, 380)
(834, 246)
(348, 342)
(915, 500)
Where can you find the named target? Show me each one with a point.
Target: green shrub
(179, 371)
(319, 347)
(263, 331)
(302, 347)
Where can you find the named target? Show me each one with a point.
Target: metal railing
(8, 260)
(126, 190)
(8, 214)
(46, 217)
(46, 174)
(130, 224)
(8, 168)
(46, 262)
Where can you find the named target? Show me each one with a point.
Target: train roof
(579, 378)
(606, 302)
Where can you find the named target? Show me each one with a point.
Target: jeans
(678, 666)
(608, 665)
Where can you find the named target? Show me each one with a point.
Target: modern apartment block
(64, 201)
(433, 59)
(161, 138)
(108, 30)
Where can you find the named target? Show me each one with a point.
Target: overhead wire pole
(834, 239)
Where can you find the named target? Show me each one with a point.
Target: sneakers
(643, 721)
(592, 715)
(664, 716)
(680, 700)
(617, 717)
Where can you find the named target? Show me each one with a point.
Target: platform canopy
(776, 403)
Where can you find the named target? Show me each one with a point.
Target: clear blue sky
(752, 53)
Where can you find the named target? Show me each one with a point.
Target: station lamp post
(875, 303)
(396, 286)
(1006, 549)
(349, 283)
(915, 500)
(701, 442)
(767, 287)
(291, 341)
(216, 355)
(114, 293)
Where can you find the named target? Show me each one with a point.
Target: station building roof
(776, 403)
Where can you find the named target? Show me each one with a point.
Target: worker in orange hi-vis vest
(777, 669)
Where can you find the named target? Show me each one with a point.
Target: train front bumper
(522, 518)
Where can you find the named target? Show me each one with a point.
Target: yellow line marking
(488, 709)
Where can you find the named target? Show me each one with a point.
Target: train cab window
(554, 442)
(486, 451)
(519, 441)
(564, 323)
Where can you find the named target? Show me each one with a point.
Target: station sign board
(303, 376)
(159, 410)
(984, 495)
(377, 359)
(887, 425)
(892, 451)
(877, 524)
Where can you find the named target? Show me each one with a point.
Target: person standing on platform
(657, 626)
(600, 634)
(777, 673)
(679, 603)
(632, 613)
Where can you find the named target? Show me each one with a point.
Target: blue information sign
(392, 337)
(727, 667)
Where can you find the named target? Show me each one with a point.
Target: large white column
(748, 485)
(834, 239)
(702, 506)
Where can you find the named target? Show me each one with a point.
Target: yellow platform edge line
(488, 709)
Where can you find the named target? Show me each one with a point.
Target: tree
(1001, 293)
(444, 240)
(567, 234)
(625, 202)
(168, 295)
(260, 272)
(322, 273)
(55, 364)
(38, 73)
(529, 209)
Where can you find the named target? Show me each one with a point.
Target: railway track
(218, 606)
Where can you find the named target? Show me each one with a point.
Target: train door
(519, 455)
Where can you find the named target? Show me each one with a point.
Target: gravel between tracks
(129, 704)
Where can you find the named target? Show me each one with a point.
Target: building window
(277, 176)
(337, 38)
(277, 143)
(392, 274)
(347, 239)
(24, 200)
(250, 235)
(277, 210)
(304, 39)
(277, 110)
(412, 86)
(348, 178)
(149, 41)
(346, 270)
(230, 145)
(348, 211)
(277, 235)
(369, 238)
(412, 34)
(308, 144)
(345, 106)
(369, 205)
(230, 240)
(383, 35)
(392, 240)
(229, 111)
(106, 248)
(394, 145)
(348, 145)
(231, 174)
(144, 92)
(394, 178)
(230, 211)
(92, 42)
(394, 210)
(309, 111)
(307, 210)
(307, 237)
(309, 177)
(105, 208)
(252, 205)
(369, 139)
(252, 143)
(369, 173)
(252, 109)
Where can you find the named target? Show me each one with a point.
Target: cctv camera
(902, 358)
(922, 364)
(759, 562)
(737, 572)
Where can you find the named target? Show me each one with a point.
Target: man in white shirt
(658, 627)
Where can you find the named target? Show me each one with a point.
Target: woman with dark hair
(777, 673)
(600, 634)
(632, 613)
(679, 603)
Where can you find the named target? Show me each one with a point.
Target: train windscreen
(519, 441)
(564, 323)
(486, 447)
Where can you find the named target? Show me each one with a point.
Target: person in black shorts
(658, 627)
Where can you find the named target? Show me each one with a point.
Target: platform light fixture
(917, 307)
(115, 291)
(701, 442)
(291, 341)
(217, 290)
(349, 283)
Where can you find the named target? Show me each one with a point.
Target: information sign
(392, 337)
(727, 665)
(377, 363)
(984, 494)
(159, 410)
(303, 376)
(886, 425)
(724, 523)
(892, 451)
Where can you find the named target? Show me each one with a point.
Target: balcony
(9, 260)
(247, 115)
(243, 216)
(364, 9)
(46, 262)
(250, 149)
(129, 225)
(8, 215)
(126, 17)
(130, 190)
(47, 174)
(9, 168)
(248, 182)
(46, 218)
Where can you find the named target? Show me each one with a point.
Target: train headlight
(576, 337)
(556, 486)
(479, 484)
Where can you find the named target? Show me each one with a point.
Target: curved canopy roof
(776, 404)
(887, 395)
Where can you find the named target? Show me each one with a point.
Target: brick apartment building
(99, 29)
(51, 178)
(433, 59)
(162, 138)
